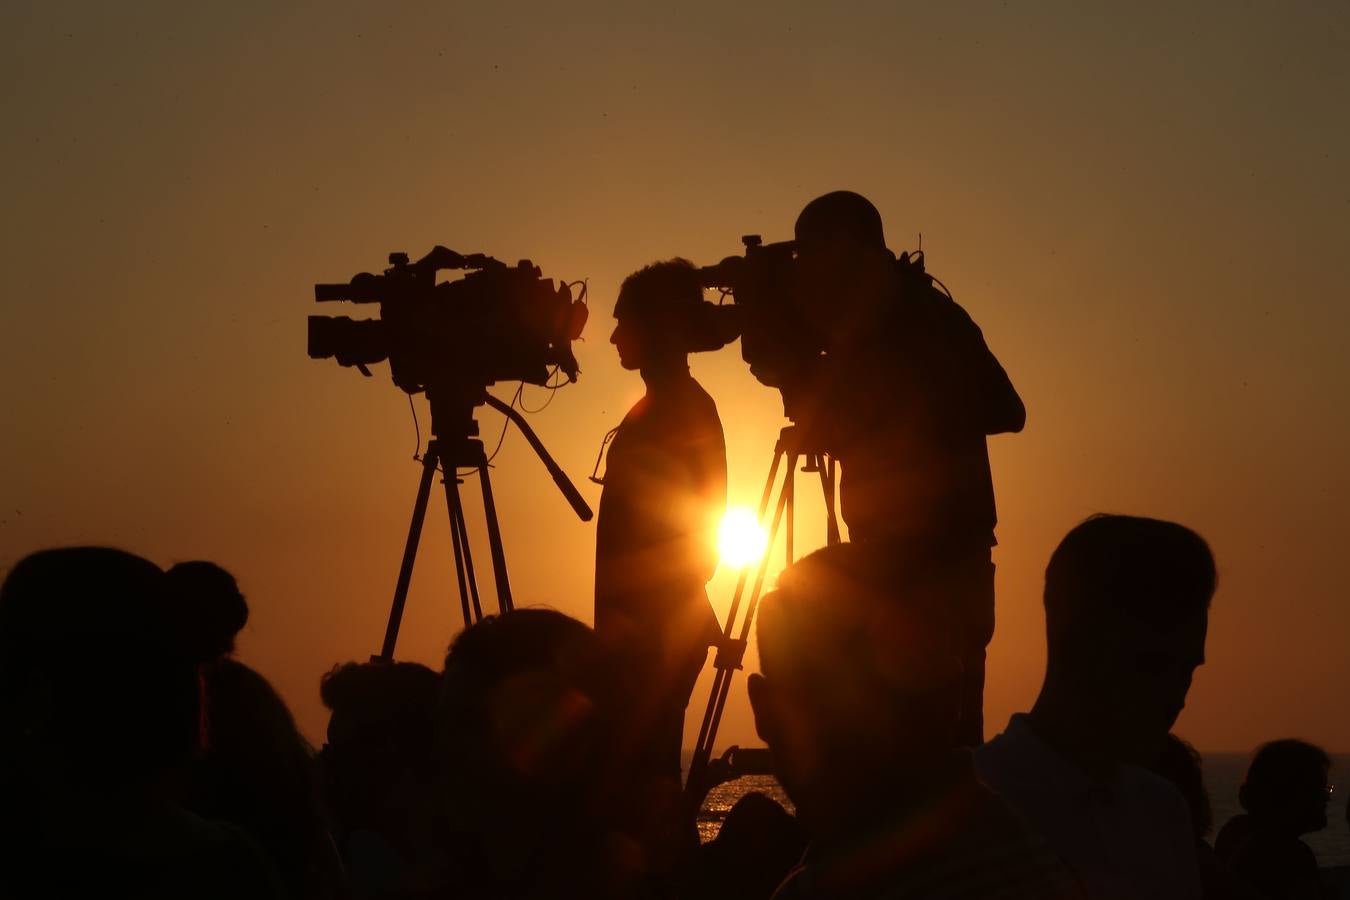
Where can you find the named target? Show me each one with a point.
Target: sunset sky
(1147, 210)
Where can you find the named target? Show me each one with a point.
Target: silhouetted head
(662, 316)
(844, 268)
(1181, 764)
(840, 219)
(1126, 612)
(209, 607)
(757, 846)
(379, 740)
(93, 679)
(525, 684)
(522, 739)
(1286, 789)
(256, 771)
(857, 687)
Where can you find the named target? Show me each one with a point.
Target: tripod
(794, 445)
(453, 446)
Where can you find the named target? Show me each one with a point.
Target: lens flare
(741, 540)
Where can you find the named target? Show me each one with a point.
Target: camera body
(497, 323)
(781, 335)
(777, 339)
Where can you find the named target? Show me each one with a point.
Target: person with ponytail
(664, 494)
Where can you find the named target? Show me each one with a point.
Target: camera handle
(448, 456)
(793, 445)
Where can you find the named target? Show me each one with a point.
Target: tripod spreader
(569, 490)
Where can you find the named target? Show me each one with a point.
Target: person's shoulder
(1144, 787)
(999, 845)
(695, 404)
(1013, 756)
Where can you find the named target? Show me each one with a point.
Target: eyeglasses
(596, 475)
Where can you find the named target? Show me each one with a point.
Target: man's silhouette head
(1126, 612)
(840, 217)
(857, 690)
(845, 271)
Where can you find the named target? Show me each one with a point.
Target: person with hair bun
(664, 493)
(1285, 796)
(208, 607)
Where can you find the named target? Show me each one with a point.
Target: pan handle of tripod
(569, 490)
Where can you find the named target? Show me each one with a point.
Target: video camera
(497, 323)
(776, 339)
(780, 340)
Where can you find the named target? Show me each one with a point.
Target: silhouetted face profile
(627, 339)
(657, 315)
(1144, 674)
(1286, 789)
(1127, 610)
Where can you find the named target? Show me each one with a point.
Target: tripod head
(456, 431)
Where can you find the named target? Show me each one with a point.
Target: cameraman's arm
(986, 393)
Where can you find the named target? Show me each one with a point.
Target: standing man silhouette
(664, 493)
(905, 395)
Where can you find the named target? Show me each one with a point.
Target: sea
(1223, 776)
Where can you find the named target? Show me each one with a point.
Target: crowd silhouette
(139, 758)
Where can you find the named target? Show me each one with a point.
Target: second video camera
(497, 323)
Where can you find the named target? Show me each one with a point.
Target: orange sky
(1147, 212)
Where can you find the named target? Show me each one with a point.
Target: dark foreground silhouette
(140, 759)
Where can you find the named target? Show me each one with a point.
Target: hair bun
(208, 607)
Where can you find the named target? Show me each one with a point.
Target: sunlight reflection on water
(723, 797)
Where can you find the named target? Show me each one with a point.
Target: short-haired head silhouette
(840, 217)
(1126, 611)
(857, 687)
(845, 274)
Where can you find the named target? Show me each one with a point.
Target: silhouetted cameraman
(907, 393)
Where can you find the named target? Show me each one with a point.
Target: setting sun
(741, 540)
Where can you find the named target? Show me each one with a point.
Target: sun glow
(741, 540)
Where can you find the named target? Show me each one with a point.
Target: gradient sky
(1147, 210)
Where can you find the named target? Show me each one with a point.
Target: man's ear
(761, 704)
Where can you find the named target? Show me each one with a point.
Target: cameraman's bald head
(841, 217)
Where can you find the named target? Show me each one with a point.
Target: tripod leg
(495, 542)
(459, 534)
(703, 749)
(730, 628)
(789, 492)
(409, 554)
(712, 717)
(459, 543)
(827, 483)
